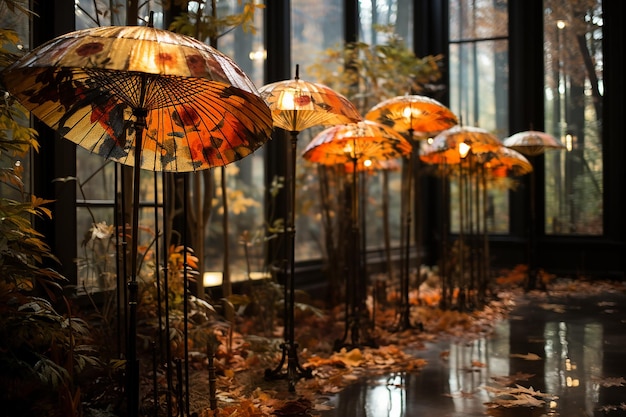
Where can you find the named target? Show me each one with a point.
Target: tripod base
(293, 372)
(404, 321)
(353, 333)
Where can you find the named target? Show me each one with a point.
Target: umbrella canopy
(297, 105)
(452, 145)
(356, 142)
(415, 113)
(532, 142)
(369, 165)
(99, 87)
(506, 161)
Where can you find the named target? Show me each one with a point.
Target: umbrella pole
(132, 365)
(289, 347)
(356, 283)
(404, 320)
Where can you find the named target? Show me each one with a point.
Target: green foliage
(41, 350)
(204, 23)
(367, 74)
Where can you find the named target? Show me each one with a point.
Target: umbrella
(466, 147)
(297, 105)
(507, 160)
(147, 98)
(356, 142)
(351, 145)
(460, 141)
(420, 117)
(532, 142)
(415, 113)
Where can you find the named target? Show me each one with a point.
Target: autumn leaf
(528, 356)
(510, 379)
(610, 382)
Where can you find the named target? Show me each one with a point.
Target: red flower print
(90, 48)
(186, 116)
(197, 66)
(302, 100)
(166, 59)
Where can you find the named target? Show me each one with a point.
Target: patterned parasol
(532, 142)
(100, 87)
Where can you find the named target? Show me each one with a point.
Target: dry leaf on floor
(528, 356)
(510, 379)
(610, 382)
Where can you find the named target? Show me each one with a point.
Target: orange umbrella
(506, 160)
(356, 142)
(297, 105)
(454, 144)
(420, 117)
(415, 113)
(102, 88)
(532, 142)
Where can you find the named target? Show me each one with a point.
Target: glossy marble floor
(571, 349)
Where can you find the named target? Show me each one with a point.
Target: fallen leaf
(610, 382)
(528, 356)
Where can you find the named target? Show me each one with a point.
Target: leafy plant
(42, 351)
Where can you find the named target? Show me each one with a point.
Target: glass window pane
(478, 19)
(316, 26)
(396, 14)
(478, 94)
(573, 103)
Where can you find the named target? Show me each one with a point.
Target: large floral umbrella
(147, 98)
(454, 145)
(297, 105)
(505, 161)
(466, 148)
(103, 88)
(354, 142)
(419, 117)
(420, 114)
(352, 145)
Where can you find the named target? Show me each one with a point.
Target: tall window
(573, 103)
(478, 84)
(315, 26)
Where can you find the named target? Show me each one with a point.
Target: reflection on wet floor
(568, 351)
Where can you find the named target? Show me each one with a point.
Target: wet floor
(567, 353)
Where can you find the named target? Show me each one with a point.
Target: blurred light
(560, 24)
(367, 163)
(260, 55)
(464, 149)
(212, 279)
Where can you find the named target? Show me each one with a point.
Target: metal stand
(289, 347)
(356, 282)
(404, 314)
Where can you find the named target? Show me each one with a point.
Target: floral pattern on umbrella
(93, 86)
(505, 161)
(297, 105)
(356, 142)
(413, 113)
(452, 145)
